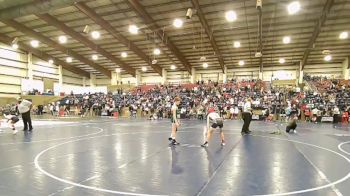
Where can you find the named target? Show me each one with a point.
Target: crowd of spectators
(154, 101)
(331, 99)
(149, 99)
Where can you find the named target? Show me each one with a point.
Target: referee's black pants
(27, 121)
(247, 118)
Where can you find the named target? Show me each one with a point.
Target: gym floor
(133, 157)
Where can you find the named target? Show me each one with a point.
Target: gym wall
(14, 67)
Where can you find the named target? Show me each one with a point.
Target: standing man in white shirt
(247, 116)
(232, 112)
(24, 107)
(336, 114)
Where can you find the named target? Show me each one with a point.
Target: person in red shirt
(307, 115)
(345, 117)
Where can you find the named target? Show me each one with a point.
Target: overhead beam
(209, 33)
(29, 32)
(148, 20)
(44, 56)
(117, 35)
(320, 23)
(41, 6)
(260, 38)
(10, 3)
(77, 36)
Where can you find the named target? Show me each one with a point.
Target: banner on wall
(28, 85)
(282, 75)
(327, 119)
(48, 83)
(67, 89)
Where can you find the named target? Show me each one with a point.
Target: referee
(24, 107)
(247, 116)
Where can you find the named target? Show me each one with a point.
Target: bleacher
(184, 91)
(321, 85)
(331, 92)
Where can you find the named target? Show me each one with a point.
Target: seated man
(200, 114)
(213, 121)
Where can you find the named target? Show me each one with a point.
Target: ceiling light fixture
(282, 60)
(178, 23)
(124, 54)
(95, 35)
(231, 16)
(34, 43)
(14, 46)
(286, 39)
(133, 29)
(118, 70)
(236, 44)
(241, 63)
(94, 57)
(328, 57)
(343, 35)
(205, 65)
(144, 68)
(156, 51)
(293, 7)
(172, 67)
(69, 59)
(62, 39)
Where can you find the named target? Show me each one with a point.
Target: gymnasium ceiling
(316, 27)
